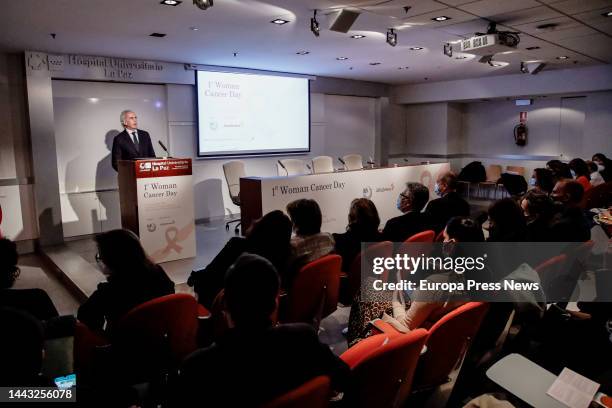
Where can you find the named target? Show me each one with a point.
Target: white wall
(339, 125)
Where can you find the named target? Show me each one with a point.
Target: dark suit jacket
(124, 148)
(443, 209)
(348, 245)
(401, 228)
(247, 367)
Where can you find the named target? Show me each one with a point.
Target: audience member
(604, 165)
(410, 202)
(580, 172)
(132, 279)
(450, 204)
(270, 360)
(363, 222)
(570, 224)
(34, 301)
(506, 222)
(559, 170)
(309, 243)
(21, 350)
(538, 210)
(269, 237)
(542, 179)
(595, 176)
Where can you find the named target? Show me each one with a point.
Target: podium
(156, 200)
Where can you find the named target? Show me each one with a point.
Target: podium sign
(165, 209)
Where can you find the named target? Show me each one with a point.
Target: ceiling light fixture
(416, 48)
(374, 63)
(607, 14)
(170, 2)
(391, 37)
(460, 57)
(357, 36)
(303, 52)
(341, 58)
(158, 35)
(563, 57)
(535, 47)
(279, 21)
(314, 25)
(194, 28)
(203, 4)
(496, 64)
(441, 18)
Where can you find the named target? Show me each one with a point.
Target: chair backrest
(312, 394)
(294, 167)
(494, 172)
(448, 341)
(598, 197)
(322, 164)
(520, 170)
(160, 332)
(551, 269)
(314, 291)
(382, 369)
(233, 170)
(353, 161)
(379, 249)
(423, 236)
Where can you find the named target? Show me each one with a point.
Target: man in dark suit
(132, 143)
(449, 205)
(411, 201)
(254, 361)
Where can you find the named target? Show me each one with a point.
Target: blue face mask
(573, 173)
(532, 181)
(437, 189)
(398, 204)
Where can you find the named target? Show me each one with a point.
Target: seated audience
(595, 176)
(34, 301)
(506, 222)
(604, 166)
(570, 224)
(450, 204)
(401, 313)
(255, 361)
(21, 350)
(269, 237)
(581, 173)
(309, 243)
(132, 279)
(542, 180)
(559, 170)
(363, 222)
(538, 210)
(410, 202)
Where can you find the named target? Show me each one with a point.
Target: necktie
(135, 139)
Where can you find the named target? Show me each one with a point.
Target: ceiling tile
(597, 46)
(579, 6)
(456, 16)
(487, 8)
(596, 20)
(525, 16)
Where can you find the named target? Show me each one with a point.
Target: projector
(489, 44)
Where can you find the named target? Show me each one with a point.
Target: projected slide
(242, 114)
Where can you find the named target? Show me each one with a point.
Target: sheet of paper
(573, 389)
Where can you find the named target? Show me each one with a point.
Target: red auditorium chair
(597, 197)
(427, 236)
(447, 342)
(382, 369)
(156, 335)
(313, 294)
(312, 394)
(351, 283)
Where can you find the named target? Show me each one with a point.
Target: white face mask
(600, 167)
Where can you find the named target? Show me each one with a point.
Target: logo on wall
(151, 227)
(36, 62)
(367, 192)
(145, 166)
(213, 125)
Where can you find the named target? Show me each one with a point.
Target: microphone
(280, 163)
(164, 147)
(371, 161)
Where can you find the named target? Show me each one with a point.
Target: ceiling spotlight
(303, 52)
(524, 69)
(460, 57)
(416, 48)
(203, 4)
(342, 58)
(357, 36)
(170, 2)
(194, 28)
(607, 14)
(279, 21)
(314, 25)
(496, 64)
(563, 57)
(391, 37)
(441, 18)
